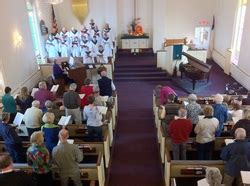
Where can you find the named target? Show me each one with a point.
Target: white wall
(18, 63)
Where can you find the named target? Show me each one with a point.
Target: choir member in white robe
(100, 57)
(92, 24)
(94, 45)
(107, 30)
(84, 32)
(88, 56)
(75, 47)
(64, 48)
(52, 47)
(73, 34)
(107, 45)
(64, 33)
(84, 42)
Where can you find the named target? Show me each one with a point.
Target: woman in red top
(86, 89)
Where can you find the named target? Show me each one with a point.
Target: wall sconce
(17, 39)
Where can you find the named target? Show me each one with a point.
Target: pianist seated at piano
(59, 73)
(165, 92)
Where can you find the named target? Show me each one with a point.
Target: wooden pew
(89, 171)
(188, 169)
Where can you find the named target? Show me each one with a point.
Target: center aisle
(135, 158)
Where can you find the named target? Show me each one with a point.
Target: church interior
(150, 92)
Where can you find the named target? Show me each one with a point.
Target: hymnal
(54, 88)
(64, 120)
(34, 91)
(18, 119)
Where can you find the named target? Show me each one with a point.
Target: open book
(64, 120)
(70, 141)
(202, 182)
(54, 88)
(81, 96)
(18, 119)
(34, 91)
(102, 109)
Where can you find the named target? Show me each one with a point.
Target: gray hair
(36, 103)
(182, 112)
(42, 84)
(218, 99)
(192, 97)
(37, 138)
(246, 114)
(213, 176)
(48, 117)
(240, 134)
(73, 86)
(48, 104)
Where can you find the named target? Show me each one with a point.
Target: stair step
(140, 74)
(134, 66)
(138, 70)
(118, 79)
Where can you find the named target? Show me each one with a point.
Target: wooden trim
(169, 42)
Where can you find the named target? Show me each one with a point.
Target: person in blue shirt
(13, 142)
(236, 156)
(9, 104)
(220, 112)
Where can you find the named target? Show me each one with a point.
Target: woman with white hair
(213, 176)
(50, 130)
(38, 157)
(193, 110)
(220, 112)
(236, 156)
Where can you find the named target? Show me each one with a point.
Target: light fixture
(17, 39)
(54, 2)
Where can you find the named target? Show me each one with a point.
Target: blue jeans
(95, 133)
(205, 150)
(179, 151)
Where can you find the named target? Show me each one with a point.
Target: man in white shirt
(33, 118)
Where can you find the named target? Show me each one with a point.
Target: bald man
(67, 156)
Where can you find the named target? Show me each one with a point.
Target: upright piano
(195, 69)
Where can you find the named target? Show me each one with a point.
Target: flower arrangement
(135, 28)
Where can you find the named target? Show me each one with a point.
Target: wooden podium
(78, 75)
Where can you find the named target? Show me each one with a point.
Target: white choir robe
(94, 47)
(101, 58)
(108, 47)
(64, 34)
(52, 48)
(75, 49)
(88, 58)
(109, 33)
(73, 35)
(83, 46)
(64, 49)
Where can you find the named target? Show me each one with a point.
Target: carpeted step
(151, 78)
(118, 66)
(139, 74)
(138, 69)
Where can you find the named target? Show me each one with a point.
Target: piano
(195, 69)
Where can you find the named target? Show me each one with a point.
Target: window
(238, 30)
(34, 30)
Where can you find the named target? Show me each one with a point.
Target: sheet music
(245, 176)
(91, 66)
(18, 119)
(228, 141)
(102, 109)
(70, 141)
(81, 96)
(64, 120)
(202, 182)
(54, 88)
(34, 91)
